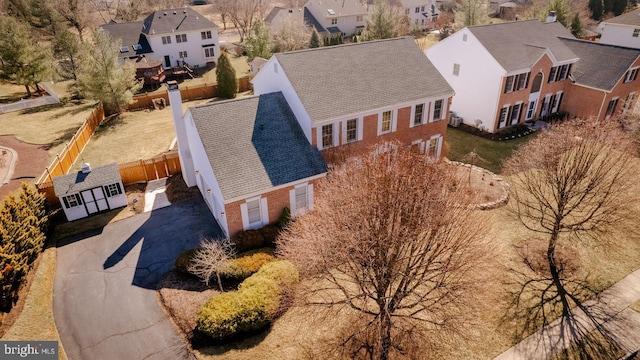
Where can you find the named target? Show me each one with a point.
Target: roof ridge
(599, 44)
(343, 45)
(504, 23)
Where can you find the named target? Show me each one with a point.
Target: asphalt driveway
(105, 303)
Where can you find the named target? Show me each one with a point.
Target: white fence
(52, 98)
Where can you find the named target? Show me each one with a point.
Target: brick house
(509, 73)
(623, 30)
(251, 157)
(172, 36)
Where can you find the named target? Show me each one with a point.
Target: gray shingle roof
(171, 20)
(601, 66)
(130, 33)
(631, 18)
(519, 44)
(254, 144)
(339, 8)
(76, 182)
(347, 79)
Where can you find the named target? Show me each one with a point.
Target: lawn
(491, 153)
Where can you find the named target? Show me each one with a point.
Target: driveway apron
(105, 302)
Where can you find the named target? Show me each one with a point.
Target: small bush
(269, 235)
(246, 264)
(253, 307)
(183, 261)
(247, 240)
(285, 218)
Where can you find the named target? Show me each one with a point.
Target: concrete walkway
(13, 159)
(155, 196)
(622, 324)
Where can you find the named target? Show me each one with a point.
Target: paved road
(105, 303)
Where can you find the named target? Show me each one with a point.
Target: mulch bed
(32, 160)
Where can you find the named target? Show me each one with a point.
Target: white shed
(90, 191)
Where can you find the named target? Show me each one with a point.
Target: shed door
(94, 200)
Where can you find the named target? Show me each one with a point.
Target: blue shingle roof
(255, 144)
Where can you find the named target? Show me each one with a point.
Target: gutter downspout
(602, 105)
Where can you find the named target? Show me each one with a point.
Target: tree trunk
(384, 337)
(555, 273)
(28, 90)
(219, 282)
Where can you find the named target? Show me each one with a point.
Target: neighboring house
(623, 30)
(336, 17)
(251, 157)
(505, 74)
(174, 36)
(605, 79)
(90, 191)
(256, 64)
(421, 13)
(279, 16)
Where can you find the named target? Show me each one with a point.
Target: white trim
(264, 211)
(292, 201)
(358, 130)
(420, 144)
(438, 138)
(259, 193)
(392, 125)
(310, 197)
(244, 212)
(334, 135)
(443, 110)
(425, 112)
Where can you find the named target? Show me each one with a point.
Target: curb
(12, 164)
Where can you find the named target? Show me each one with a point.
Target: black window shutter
(119, 188)
(79, 199)
(66, 202)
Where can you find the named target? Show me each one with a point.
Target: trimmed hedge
(183, 261)
(251, 308)
(247, 264)
(253, 239)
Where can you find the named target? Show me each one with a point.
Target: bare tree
(571, 185)
(391, 239)
(291, 34)
(243, 13)
(207, 261)
(471, 12)
(77, 13)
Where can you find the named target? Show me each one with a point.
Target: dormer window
(331, 12)
(124, 49)
(137, 47)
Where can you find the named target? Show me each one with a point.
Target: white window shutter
(394, 120)
(245, 216)
(292, 201)
(360, 128)
(310, 197)
(264, 211)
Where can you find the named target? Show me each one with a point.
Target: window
(124, 49)
(631, 75)
(386, 122)
(209, 52)
(437, 110)
(359, 18)
(72, 201)
(422, 9)
(562, 75)
(552, 74)
(464, 37)
(435, 145)
(417, 9)
(137, 47)
(456, 69)
(636, 32)
(205, 35)
(611, 108)
(523, 81)
(531, 110)
(166, 40)
(334, 21)
(352, 130)
(502, 117)
(418, 114)
(327, 136)
(407, 11)
(301, 197)
(628, 103)
(180, 38)
(545, 106)
(182, 54)
(253, 212)
(113, 190)
(508, 85)
(557, 100)
(515, 114)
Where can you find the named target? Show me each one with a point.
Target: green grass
(491, 153)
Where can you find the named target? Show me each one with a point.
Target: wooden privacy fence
(132, 172)
(63, 161)
(204, 91)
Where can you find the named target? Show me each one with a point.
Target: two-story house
(251, 157)
(173, 36)
(623, 30)
(421, 13)
(505, 74)
(336, 17)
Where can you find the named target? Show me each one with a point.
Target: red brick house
(251, 157)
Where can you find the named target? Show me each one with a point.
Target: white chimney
(85, 168)
(552, 17)
(186, 161)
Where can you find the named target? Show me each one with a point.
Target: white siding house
(623, 30)
(339, 17)
(90, 191)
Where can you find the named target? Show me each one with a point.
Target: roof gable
(255, 144)
(337, 81)
(601, 66)
(519, 44)
(75, 182)
(631, 18)
(336, 8)
(175, 20)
